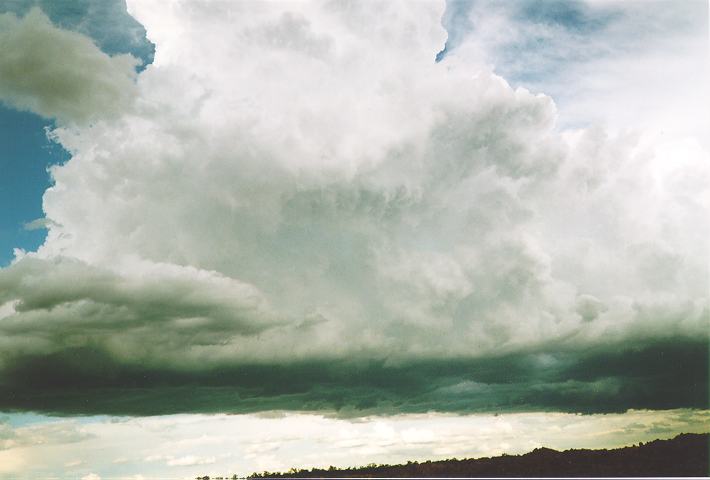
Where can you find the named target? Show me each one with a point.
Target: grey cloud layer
(614, 378)
(60, 74)
(304, 211)
(106, 22)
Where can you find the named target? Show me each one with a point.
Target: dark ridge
(683, 456)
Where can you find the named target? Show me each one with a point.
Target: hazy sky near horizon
(373, 212)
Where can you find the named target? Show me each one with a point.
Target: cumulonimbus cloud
(303, 210)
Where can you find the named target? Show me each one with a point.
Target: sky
(245, 236)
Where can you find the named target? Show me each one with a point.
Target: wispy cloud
(611, 63)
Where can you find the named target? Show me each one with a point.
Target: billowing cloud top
(302, 210)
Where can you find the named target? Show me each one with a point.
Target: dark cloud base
(84, 381)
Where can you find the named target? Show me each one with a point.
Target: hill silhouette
(683, 456)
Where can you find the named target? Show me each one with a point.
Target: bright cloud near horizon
(332, 217)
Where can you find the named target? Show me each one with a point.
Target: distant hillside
(683, 456)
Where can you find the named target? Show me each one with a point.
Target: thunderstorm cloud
(295, 207)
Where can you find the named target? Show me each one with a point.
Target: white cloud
(54, 433)
(60, 74)
(243, 444)
(190, 460)
(623, 65)
(302, 181)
